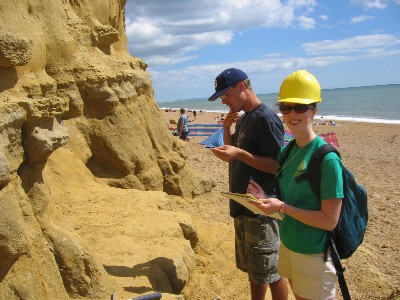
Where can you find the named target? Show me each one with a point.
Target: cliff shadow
(161, 273)
(8, 78)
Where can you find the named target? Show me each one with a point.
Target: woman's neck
(304, 138)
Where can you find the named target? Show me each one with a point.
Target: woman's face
(298, 117)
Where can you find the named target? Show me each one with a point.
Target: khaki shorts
(257, 246)
(311, 277)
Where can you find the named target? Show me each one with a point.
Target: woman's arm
(326, 218)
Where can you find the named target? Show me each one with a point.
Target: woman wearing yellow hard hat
(308, 218)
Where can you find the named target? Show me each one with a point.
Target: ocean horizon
(372, 104)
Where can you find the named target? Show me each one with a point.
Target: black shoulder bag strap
(339, 270)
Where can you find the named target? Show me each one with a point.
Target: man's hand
(226, 153)
(231, 117)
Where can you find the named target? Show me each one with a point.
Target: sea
(372, 104)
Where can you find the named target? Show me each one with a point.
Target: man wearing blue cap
(251, 152)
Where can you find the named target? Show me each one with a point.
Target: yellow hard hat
(300, 87)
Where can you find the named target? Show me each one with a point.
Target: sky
(187, 43)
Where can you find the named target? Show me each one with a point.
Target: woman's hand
(256, 190)
(268, 205)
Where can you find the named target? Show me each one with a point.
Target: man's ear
(242, 85)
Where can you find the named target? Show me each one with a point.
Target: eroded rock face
(66, 78)
(15, 49)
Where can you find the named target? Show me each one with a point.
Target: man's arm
(228, 153)
(266, 164)
(231, 117)
(227, 136)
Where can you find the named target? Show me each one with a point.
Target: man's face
(232, 98)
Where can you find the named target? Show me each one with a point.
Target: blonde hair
(247, 84)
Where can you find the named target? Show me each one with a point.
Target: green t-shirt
(296, 235)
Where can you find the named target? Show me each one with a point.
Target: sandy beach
(370, 151)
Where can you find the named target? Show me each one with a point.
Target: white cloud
(360, 19)
(164, 33)
(175, 28)
(164, 60)
(306, 23)
(370, 4)
(353, 44)
(199, 79)
(169, 49)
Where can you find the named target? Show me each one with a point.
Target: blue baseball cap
(226, 79)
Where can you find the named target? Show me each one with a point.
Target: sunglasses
(299, 108)
(223, 97)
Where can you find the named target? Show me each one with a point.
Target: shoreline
(359, 104)
(175, 114)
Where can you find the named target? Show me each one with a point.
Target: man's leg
(257, 245)
(258, 291)
(279, 289)
(263, 241)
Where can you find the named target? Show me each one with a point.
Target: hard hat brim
(299, 100)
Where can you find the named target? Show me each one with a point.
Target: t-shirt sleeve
(273, 139)
(332, 178)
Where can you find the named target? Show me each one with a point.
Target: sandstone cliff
(78, 122)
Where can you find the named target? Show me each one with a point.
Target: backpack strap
(280, 168)
(313, 172)
(339, 269)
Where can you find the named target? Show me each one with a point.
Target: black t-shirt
(262, 134)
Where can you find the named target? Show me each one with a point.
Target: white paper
(246, 199)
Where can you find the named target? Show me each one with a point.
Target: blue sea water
(373, 104)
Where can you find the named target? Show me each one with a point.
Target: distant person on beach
(194, 115)
(251, 153)
(182, 127)
(332, 123)
(308, 219)
(327, 122)
(220, 118)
